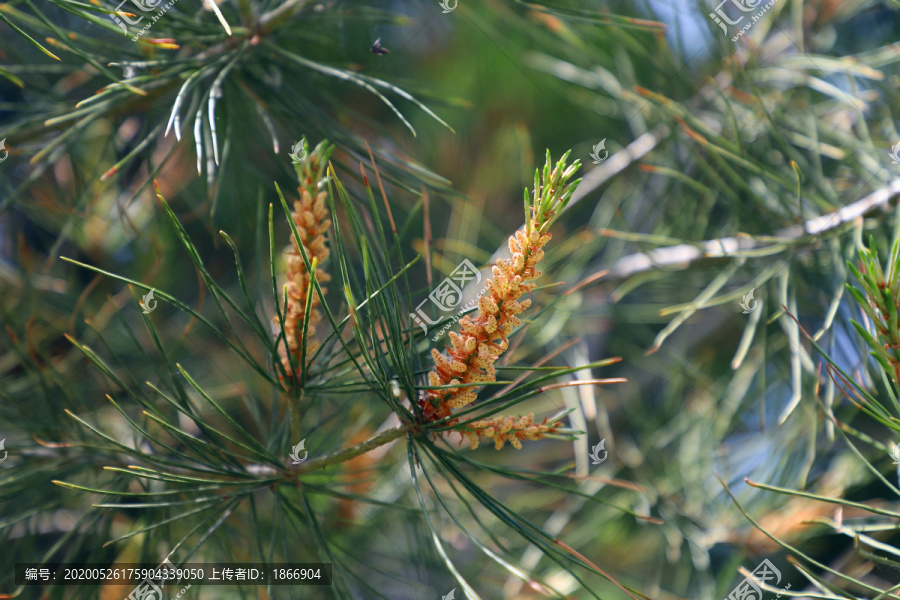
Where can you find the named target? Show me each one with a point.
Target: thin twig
(381, 439)
(617, 163)
(344, 455)
(682, 255)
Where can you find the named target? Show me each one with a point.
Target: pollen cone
(310, 216)
(483, 337)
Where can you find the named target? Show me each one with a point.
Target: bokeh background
(707, 140)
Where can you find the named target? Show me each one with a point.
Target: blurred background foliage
(719, 152)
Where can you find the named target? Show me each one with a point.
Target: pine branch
(336, 458)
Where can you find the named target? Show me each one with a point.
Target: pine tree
(243, 243)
